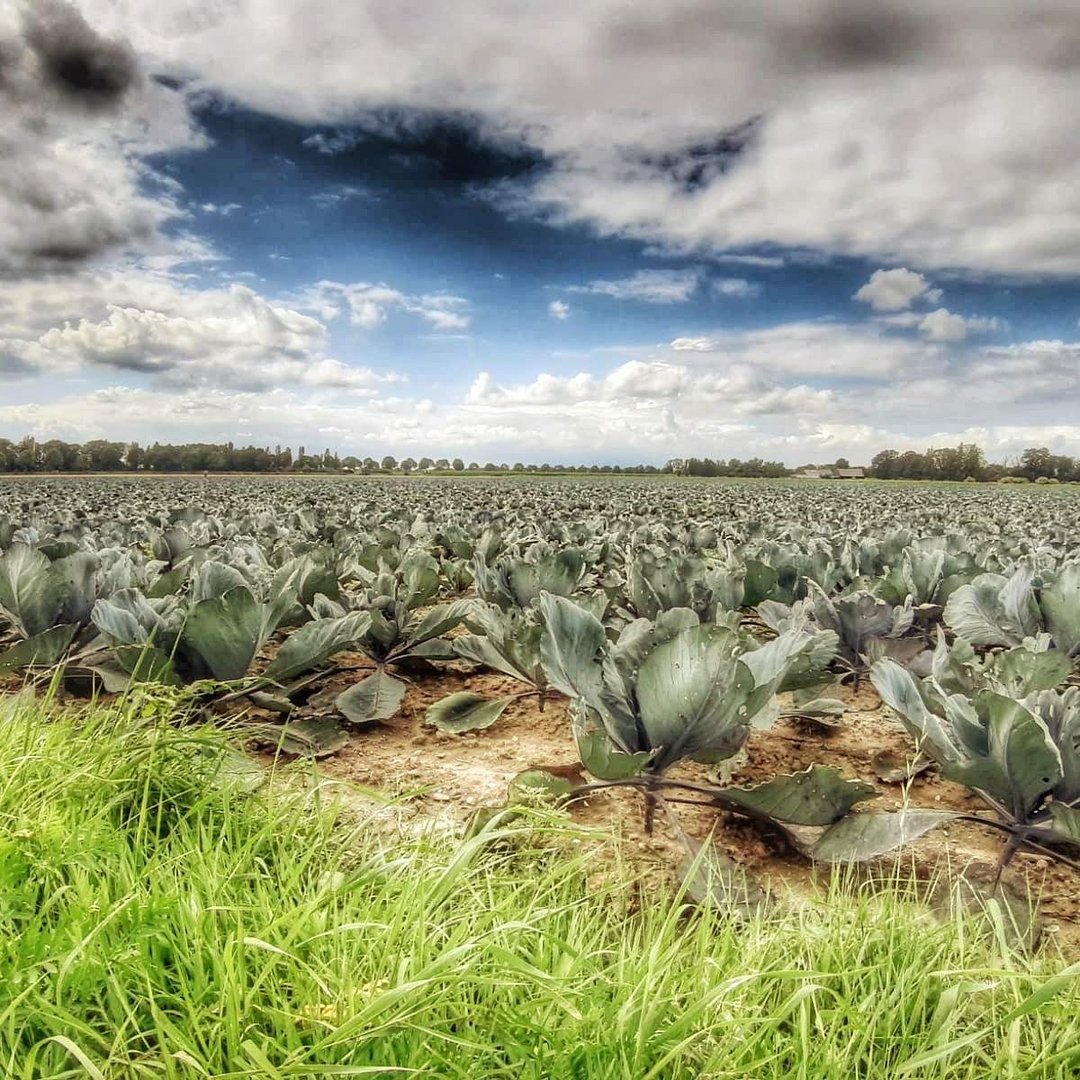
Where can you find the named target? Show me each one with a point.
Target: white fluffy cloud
(654, 384)
(162, 328)
(895, 290)
(559, 309)
(945, 325)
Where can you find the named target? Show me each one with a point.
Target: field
(658, 688)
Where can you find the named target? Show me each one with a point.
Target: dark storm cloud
(75, 106)
(852, 34)
(75, 60)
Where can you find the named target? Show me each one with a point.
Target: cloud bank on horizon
(576, 232)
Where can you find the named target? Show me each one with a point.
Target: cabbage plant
(999, 610)
(678, 689)
(1007, 734)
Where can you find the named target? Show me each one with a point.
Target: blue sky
(586, 234)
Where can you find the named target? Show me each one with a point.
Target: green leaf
(819, 795)
(214, 579)
(692, 694)
(41, 650)
(147, 664)
(126, 617)
(479, 649)
(1023, 764)
(976, 613)
(711, 879)
(571, 647)
(1021, 672)
(900, 692)
(314, 738)
(1060, 604)
(378, 697)
(760, 583)
(438, 621)
(76, 576)
(226, 632)
(30, 593)
(167, 584)
(537, 786)
(465, 711)
(859, 837)
(604, 760)
(316, 642)
(1066, 821)
(439, 648)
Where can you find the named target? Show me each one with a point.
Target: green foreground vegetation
(163, 915)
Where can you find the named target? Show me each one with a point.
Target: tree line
(968, 462)
(964, 462)
(30, 455)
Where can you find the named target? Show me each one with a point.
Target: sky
(590, 232)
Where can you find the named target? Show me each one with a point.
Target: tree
(408, 465)
(883, 466)
(426, 463)
(458, 465)
(1036, 462)
(26, 455)
(388, 463)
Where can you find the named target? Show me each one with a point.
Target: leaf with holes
(378, 697)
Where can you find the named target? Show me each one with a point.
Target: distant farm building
(858, 473)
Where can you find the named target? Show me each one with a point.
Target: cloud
(771, 262)
(823, 350)
(945, 325)
(884, 129)
(648, 286)
(368, 305)
(559, 309)
(736, 288)
(895, 290)
(78, 116)
(652, 384)
(341, 193)
(177, 336)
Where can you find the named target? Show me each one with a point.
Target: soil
(439, 780)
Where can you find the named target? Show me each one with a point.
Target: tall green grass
(158, 918)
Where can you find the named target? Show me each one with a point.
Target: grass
(160, 918)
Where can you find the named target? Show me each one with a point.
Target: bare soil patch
(444, 778)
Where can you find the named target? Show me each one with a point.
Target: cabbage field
(770, 675)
